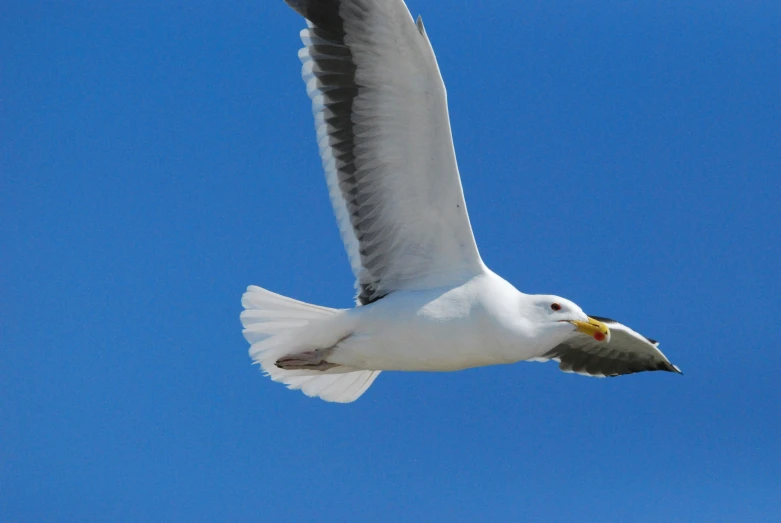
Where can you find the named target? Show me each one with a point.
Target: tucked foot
(309, 360)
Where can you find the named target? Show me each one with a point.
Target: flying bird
(425, 300)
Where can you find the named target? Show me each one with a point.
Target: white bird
(425, 299)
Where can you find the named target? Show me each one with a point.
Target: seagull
(425, 301)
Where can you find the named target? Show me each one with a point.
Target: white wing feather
(384, 135)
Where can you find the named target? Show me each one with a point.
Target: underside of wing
(627, 352)
(384, 136)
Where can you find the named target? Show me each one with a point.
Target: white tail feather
(277, 326)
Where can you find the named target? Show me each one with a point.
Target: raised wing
(626, 352)
(384, 135)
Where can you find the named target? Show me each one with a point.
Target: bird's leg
(311, 359)
(308, 360)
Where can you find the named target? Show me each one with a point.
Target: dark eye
(555, 306)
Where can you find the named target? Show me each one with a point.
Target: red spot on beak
(599, 336)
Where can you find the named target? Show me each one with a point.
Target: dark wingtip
(298, 6)
(669, 367)
(324, 14)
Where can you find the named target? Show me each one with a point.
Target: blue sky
(156, 159)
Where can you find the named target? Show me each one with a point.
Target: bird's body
(469, 325)
(425, 300)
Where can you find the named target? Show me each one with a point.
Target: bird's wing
(626, 352)
(383, 130)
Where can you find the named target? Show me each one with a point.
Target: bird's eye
(555, 306)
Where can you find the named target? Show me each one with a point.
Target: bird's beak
(594, 328)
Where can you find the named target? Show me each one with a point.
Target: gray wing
(626, 352)
(383, 130)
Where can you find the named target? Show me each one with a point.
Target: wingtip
(676, 369)
(419, 23)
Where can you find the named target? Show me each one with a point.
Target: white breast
(470, 325)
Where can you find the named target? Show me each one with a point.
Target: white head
(556, 318)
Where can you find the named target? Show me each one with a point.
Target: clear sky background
(157, 159)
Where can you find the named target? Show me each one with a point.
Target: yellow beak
(594, 328)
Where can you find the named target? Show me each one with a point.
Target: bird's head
(559, 315)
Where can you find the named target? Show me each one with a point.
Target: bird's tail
(277, 326)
